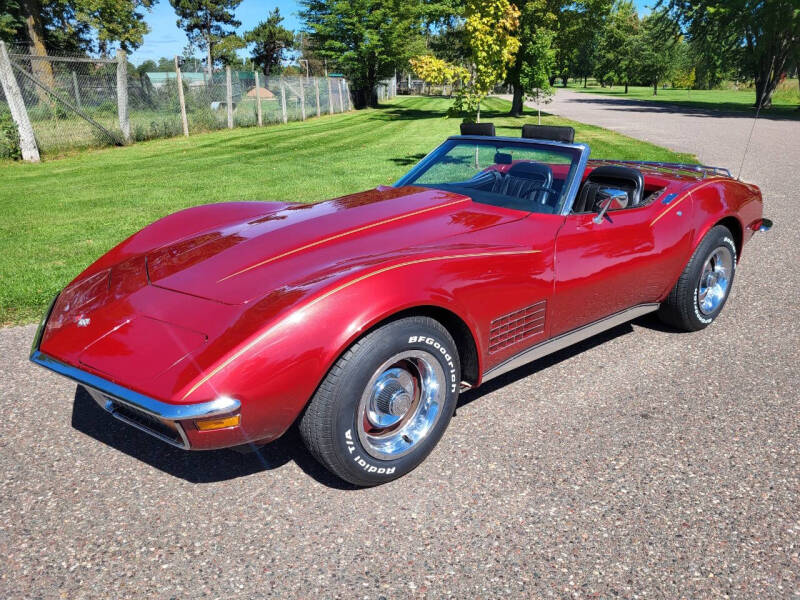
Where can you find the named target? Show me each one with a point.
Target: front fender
(276, 372)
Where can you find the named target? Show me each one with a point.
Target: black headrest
(529, 170)
(477, 129)
(617, 175)
(558, 133)
(502, 158)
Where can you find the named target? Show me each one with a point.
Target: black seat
(626, 179)
(524, 179)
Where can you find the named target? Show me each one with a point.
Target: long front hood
(301, 244)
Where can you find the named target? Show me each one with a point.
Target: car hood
(303, 243)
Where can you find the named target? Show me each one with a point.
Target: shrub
(9, 137)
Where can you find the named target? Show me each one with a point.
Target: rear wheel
(704, 286)
(385, 403)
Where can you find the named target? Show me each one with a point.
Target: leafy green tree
(655, 53)
(75, 25)
(365, 39)
(615, 61)
(270, 40)
(492, 27)
(760, 35)
(207, 23)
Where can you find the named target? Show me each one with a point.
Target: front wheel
(385, 403)
(704, 286)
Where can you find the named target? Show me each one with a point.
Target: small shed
(261, 92)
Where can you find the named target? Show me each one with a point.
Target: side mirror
(609, 198)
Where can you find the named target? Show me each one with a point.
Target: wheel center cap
(400, 403)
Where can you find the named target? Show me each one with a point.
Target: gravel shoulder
(643, 463)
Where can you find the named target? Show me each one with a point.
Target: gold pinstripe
(329, 293)
(340, 235)
(688, 193)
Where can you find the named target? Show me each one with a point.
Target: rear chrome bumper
(159, 419)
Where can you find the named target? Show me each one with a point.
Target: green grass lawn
(58, 216)
(785, 101)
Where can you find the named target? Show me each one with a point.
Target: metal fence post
(258, 99)
(181, 100)
(122, 95)
(283, 100)
(341, 95)
(77, 90)
(330, 96)
(229, 95)
(302, 99)
(316, 92)
(16, 105)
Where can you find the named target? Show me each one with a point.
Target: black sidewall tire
(681, 308)
(352, 461)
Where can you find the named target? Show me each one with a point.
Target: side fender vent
(517, 326)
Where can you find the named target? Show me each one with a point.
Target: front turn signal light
(211, 424)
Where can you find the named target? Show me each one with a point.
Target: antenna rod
(753, 128)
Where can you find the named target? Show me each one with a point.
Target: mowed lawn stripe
(60, 215)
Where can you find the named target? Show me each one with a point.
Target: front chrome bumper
(147, 414)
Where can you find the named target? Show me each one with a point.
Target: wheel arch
(737, 230)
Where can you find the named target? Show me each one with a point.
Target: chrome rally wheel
(714, 283)
(401, 404)
(385, 403)
(703, 288)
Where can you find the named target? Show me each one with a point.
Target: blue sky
(166, 39)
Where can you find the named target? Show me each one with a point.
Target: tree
(207, 23)
(270, 40)
(115, 21)
(760, 35)
(655, 53)
(537, 23)
(435, 71)
(492, 27)
(534, 77)
(615, 61)
(75, 25)
(365, 39)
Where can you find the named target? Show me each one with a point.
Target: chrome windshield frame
(576, 176)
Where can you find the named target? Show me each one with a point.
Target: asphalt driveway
(643, 463)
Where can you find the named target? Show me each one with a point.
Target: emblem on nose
(84, 321)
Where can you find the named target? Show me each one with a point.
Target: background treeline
(530, 45)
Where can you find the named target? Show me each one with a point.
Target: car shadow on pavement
(196, 467)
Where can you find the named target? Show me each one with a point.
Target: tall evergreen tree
(207, 23)
(270, 40)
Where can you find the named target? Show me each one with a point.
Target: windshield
(525, 175)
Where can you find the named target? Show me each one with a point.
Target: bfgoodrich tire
(704, 286)
(385, 403)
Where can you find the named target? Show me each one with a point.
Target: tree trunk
(655, 88)
(209, 61)
(565, 79)
(517, 102)
(626, 87)
(584, 81)
(42, 69)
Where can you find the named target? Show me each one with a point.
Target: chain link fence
(64, 102)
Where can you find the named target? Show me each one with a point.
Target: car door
(631, 257)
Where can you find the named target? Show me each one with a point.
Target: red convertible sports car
(363, 317)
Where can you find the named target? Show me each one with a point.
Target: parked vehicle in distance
(363, 317)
